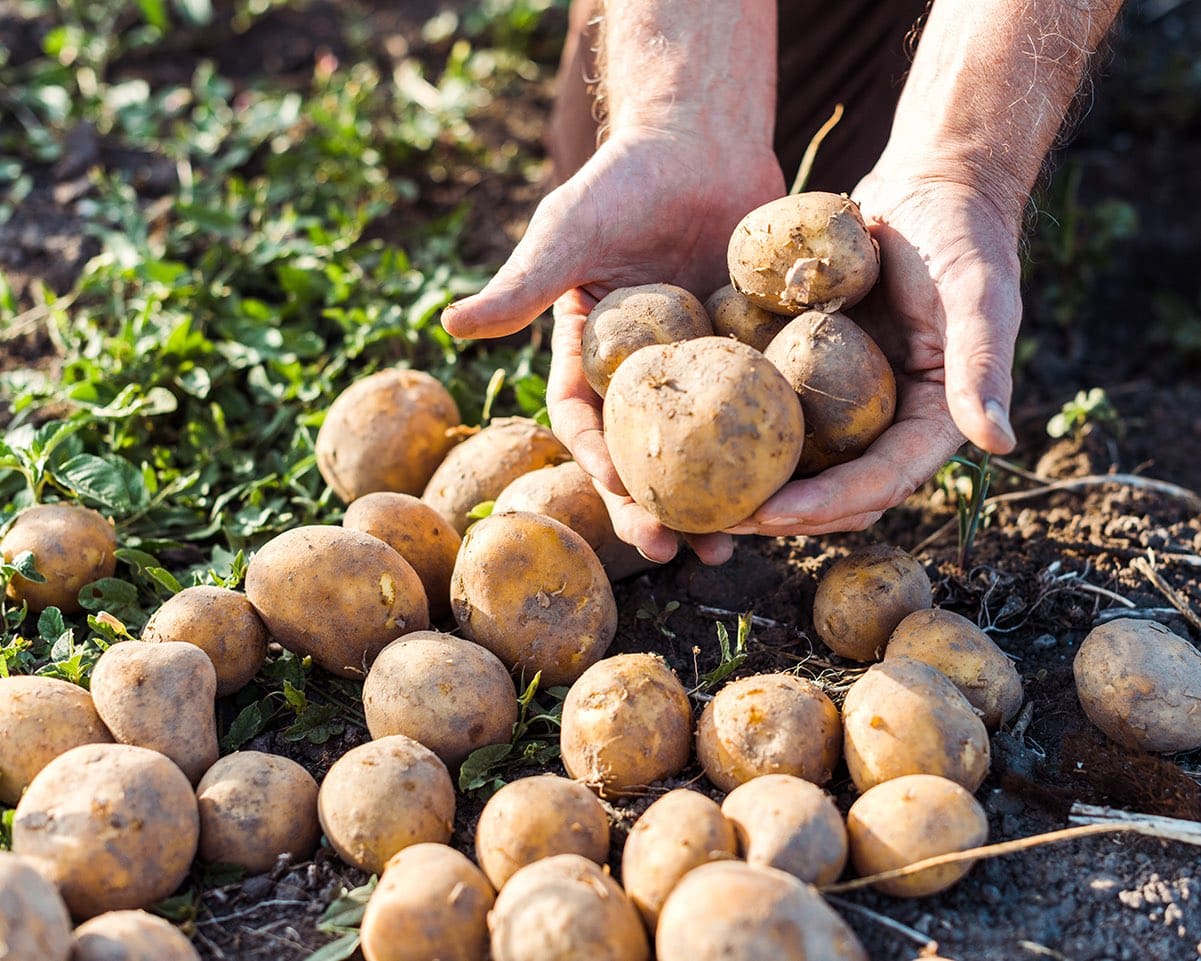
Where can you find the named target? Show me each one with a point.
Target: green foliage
(1087, 407)
(967, 481)
(651, 612)
(342, 918)
(732, 658)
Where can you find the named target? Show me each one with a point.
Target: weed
(650, 611)
(732, 658)
(968, 482)
(1088, 407)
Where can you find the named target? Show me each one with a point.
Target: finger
(711, 549)
(636, 527)
(856, 522)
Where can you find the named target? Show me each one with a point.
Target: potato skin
(446, 692)
(388, 431)
(735, 316)
(1141, 685)
(905, 717)
(845, 383)
(911, 818)
(34, 923)
(431, 902)
(534, 593)
(72, 546)
(115, 825)
(336, 595)
(626, 723)
(702, 432)
(131, 936)
(41, 718)
(964, 653)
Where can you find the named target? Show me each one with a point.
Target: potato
(114, 826)
(533, 592)
(847, 389)
(702, 432)
(448, 693)
(335, 595)
(131, 936)
(485, 463)
(160, 696)
(418, 533)
(34, 924)
(537, 817)
(431, 902)
(788, 823)
(255, 807)
(626, 723)
(809, 249)
(633, 317)
(383, 796)
(388, 431)
(682, 830)
(864, 595)
(222, 623)
(72, 546)
(908, 819)
(1141, 685)
(728, 909)
(905, 717)
(735, 316)
(969, 657)
(565, 908)
(768, 724)
(41, 718)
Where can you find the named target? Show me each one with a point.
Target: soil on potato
(1048, 564)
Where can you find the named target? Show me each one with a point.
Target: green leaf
(247, 725)
(51, 625)
(478, 769)
(108, 481)
(346, 911)
(339, 950)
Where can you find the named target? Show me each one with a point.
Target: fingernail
(654, 560)
(781, 520)
(996, 413)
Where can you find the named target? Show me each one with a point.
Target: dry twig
(1146, 567)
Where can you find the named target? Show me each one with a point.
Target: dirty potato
(72, 546)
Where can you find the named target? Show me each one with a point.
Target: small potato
(418, 533)
(626, 723)
(909, 819)
(682, 830)
(34, 924)
(702, 432)
(768, 724)
(446, 692)
(735, 316)
(431, 902)
(863, 596)
(537, 817)
(72, 546)
(534, 593)
(41, 718)
(114, 826)
(845, 383)
(565, 908)
(1141, 685)
(810, 249)
(728, 909)
(969, 657)
(336, 595)
(222, 623)
(160, 696)
(383, 796)
(788, 823)
(255, 807)
(131, 936)
(486, 463)
(905, 717)
(633, 317)
(386, 432)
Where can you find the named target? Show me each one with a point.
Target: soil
(1049, 563)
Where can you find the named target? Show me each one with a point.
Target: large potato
(806, 250)
(486, 463)
(735, 316)
(335, 595)
(71, 545)
(909, 819)
(534, 593)
(34, 924)
(446, 692)
(41, 718)
(864, 595)
(905, 717)
(702, 432)
(131, 936)
(386, 432)
(113, 825)
(431, 902)
(626, 723)
(845, 383)
(768, 724)
(1141, 685)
